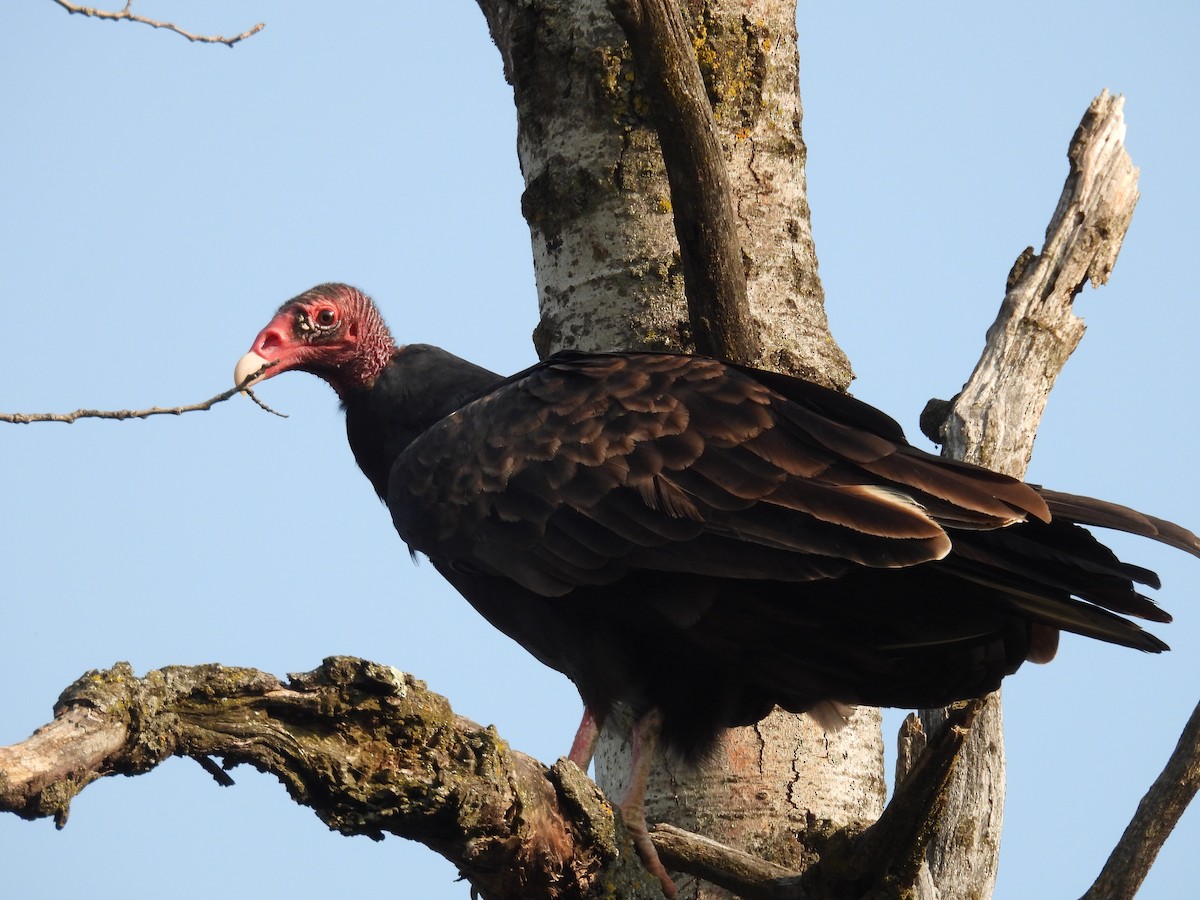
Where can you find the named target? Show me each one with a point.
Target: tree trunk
(609, 276)
(597, 199)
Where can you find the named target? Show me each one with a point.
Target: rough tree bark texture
(597, 199)
(609, 275)
(370, 749)
(993, 421)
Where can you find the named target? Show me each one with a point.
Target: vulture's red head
(332, 330)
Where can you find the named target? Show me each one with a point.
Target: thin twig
(220, 776)
(121, 414)
(127, 15)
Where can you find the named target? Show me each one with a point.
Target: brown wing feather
(655, 449)
(1090, 511)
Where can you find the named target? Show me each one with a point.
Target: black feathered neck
(421, 385)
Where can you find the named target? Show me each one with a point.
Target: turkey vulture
(703, 541)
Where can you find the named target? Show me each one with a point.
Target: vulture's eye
(326, 317)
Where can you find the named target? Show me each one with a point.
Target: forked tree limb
(424, 773)
(881, 861)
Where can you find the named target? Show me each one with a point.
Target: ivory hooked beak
(247, 366)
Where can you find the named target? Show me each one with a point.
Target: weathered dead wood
(993, 421)
(370, 749)
(102, 738)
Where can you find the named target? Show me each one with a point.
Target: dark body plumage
(709, 540)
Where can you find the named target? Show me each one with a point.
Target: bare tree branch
(127, 15)
(994, 419)
(701, 197)
(1156, 816)
(370, 749)
(256, 719)
(121, 414)
(749, 877)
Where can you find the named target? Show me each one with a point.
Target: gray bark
(596, 194)
(993, 422)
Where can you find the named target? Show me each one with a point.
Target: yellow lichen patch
(731, 53)
(618, 81)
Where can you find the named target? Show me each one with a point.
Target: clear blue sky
(160, 200)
